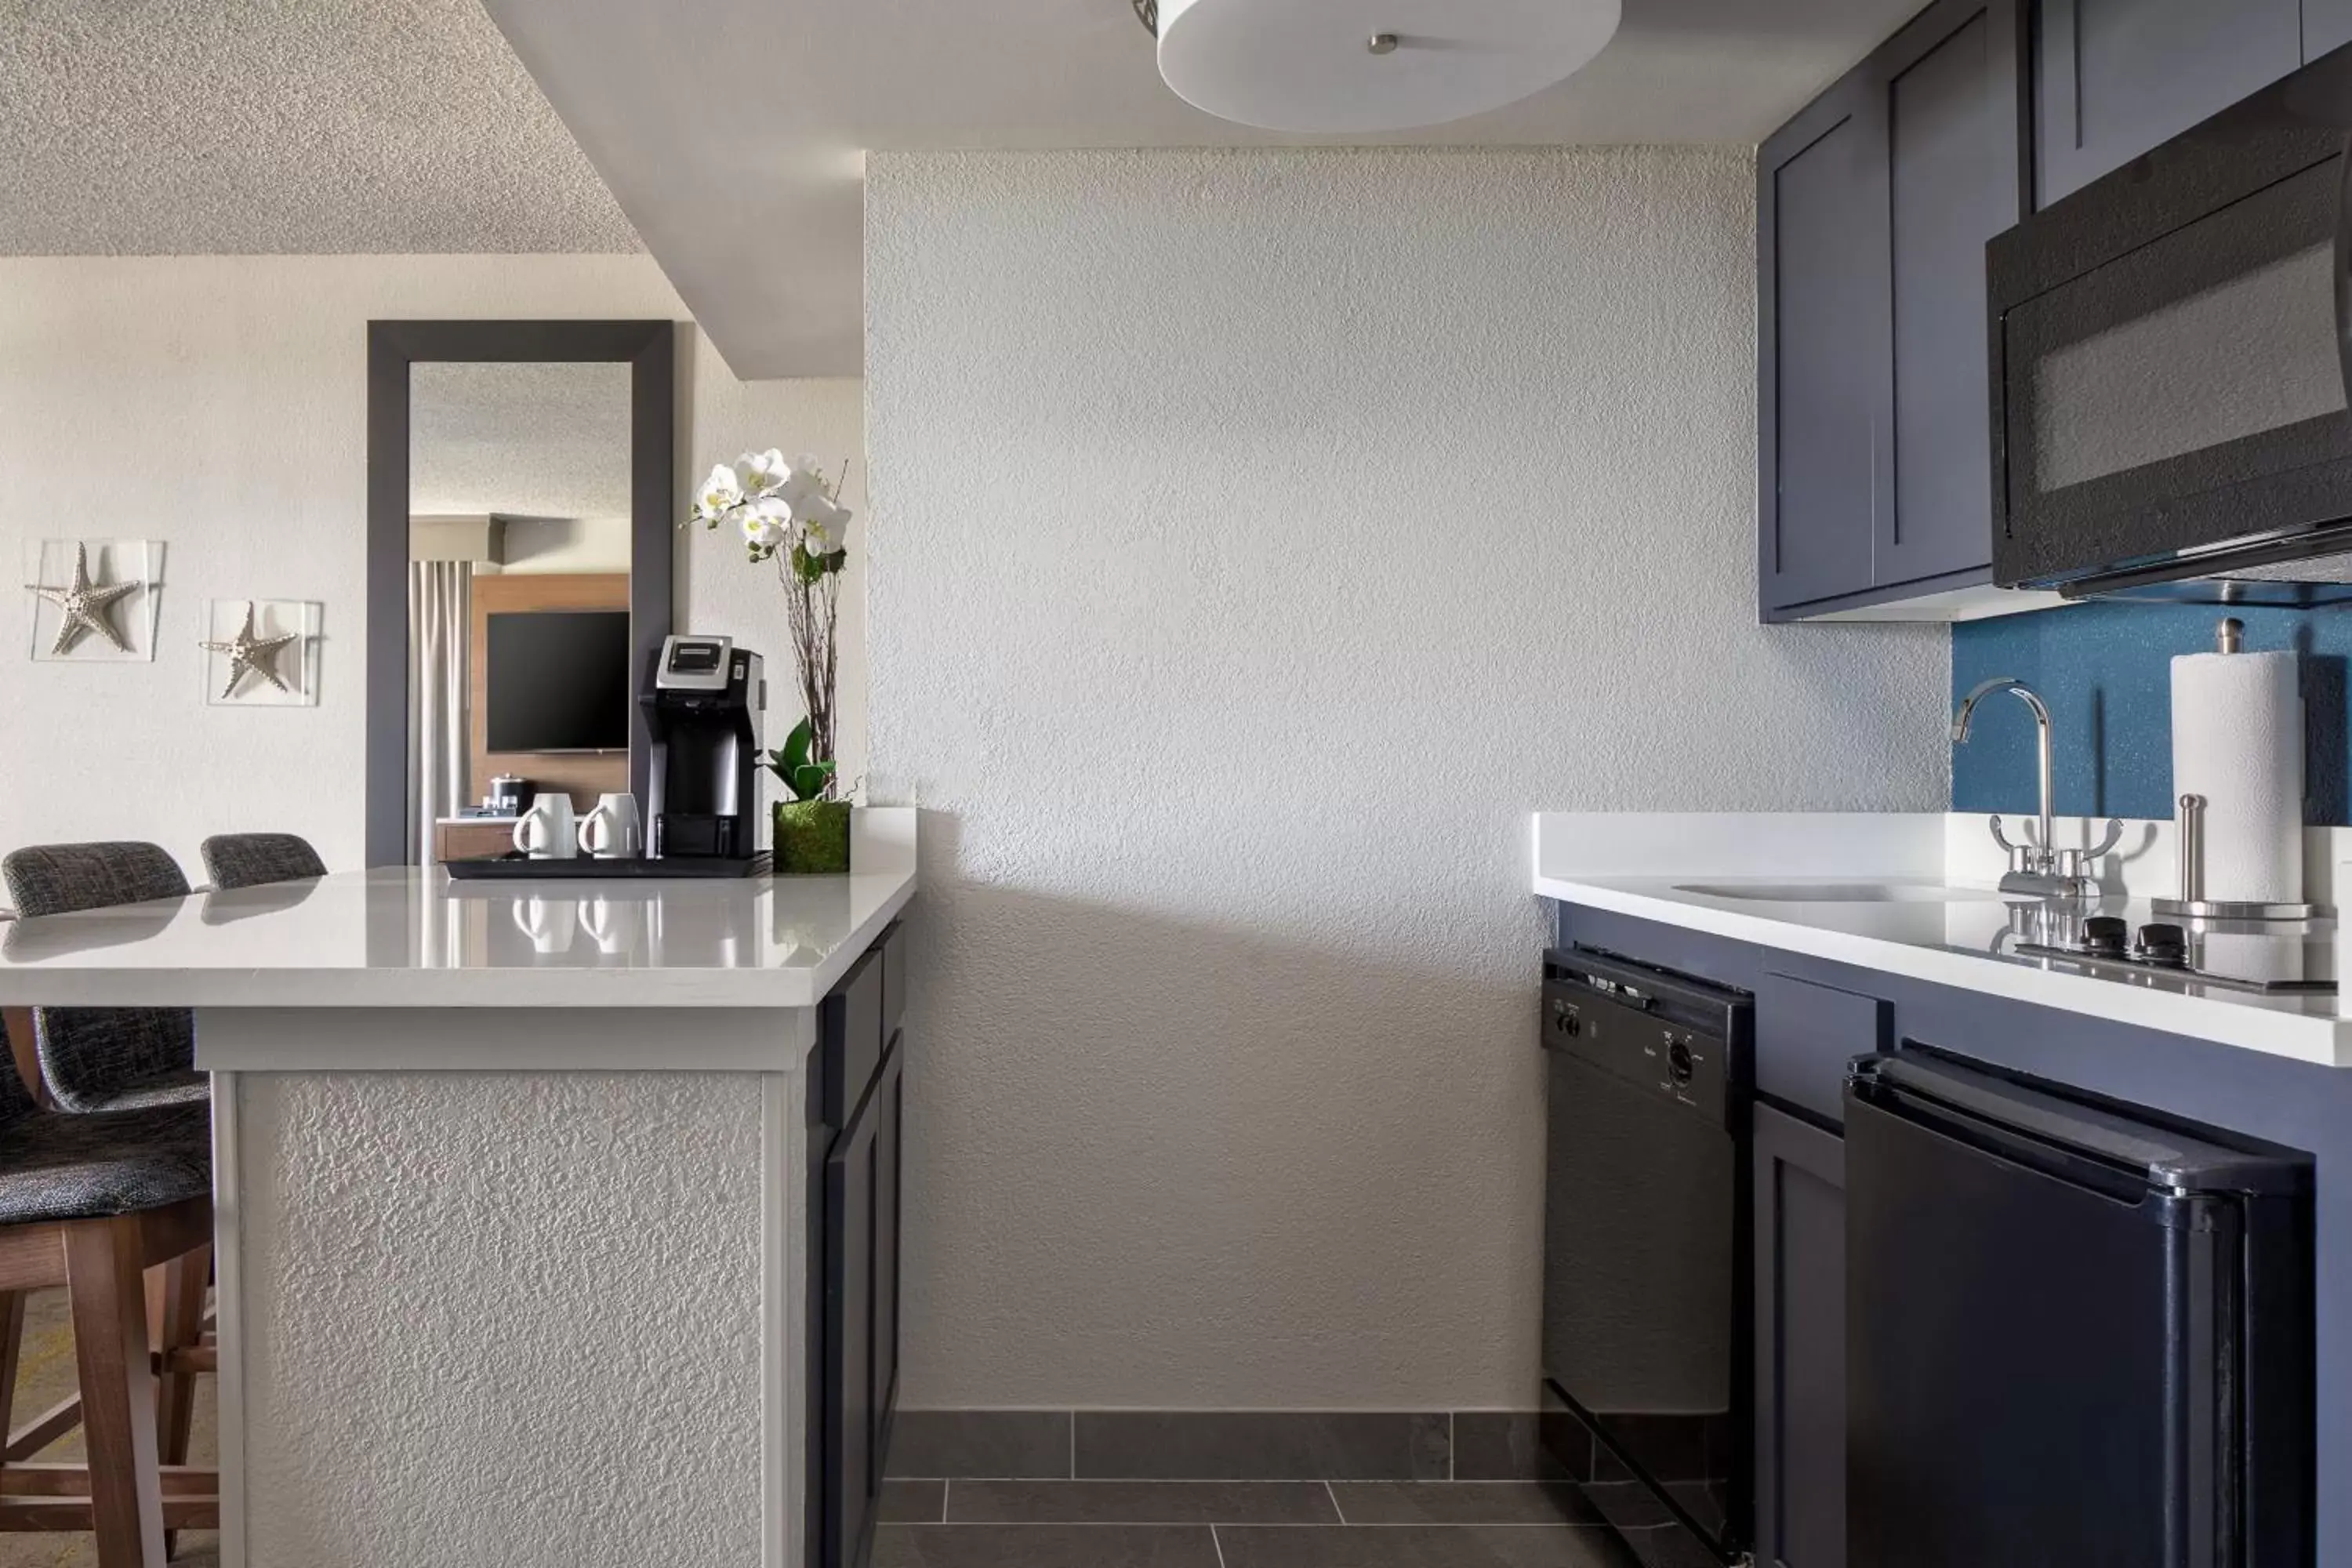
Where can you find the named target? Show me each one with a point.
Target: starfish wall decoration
(251, 654)
(82, 605)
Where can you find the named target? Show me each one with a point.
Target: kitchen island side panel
(501, 1317)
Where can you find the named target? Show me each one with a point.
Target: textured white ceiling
(166, 127)
(521, 440)
(733, 131)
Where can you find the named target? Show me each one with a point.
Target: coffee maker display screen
(558, 680)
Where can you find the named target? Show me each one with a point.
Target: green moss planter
(812, 837)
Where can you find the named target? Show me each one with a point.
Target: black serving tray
(512, 868)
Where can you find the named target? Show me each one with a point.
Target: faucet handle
(2023, 857)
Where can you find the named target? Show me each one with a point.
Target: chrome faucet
(2037, 870)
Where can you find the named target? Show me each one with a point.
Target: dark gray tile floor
(1254, 1444)
(1242, 1524)
(1463, 1502)
(1140, 1502)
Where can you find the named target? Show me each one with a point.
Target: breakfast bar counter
(512, 1195)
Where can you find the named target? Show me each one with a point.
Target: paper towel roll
(2237, 740)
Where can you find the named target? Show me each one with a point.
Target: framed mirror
(520, 492)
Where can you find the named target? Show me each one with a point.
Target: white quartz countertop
(1941, 922)
(410, 937)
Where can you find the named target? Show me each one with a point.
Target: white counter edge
(884, 848)
(500, 1040)
(2323, 1041)
(637, 990)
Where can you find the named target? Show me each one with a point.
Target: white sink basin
(1840, 892)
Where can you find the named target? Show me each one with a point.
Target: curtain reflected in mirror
(439, 599)
(520, 679)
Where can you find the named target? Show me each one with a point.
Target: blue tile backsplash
(2105, 671)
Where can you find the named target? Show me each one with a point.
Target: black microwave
(2169, 361)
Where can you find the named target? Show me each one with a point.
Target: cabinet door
(861, 1353)
(2326, 25)
(1823, 358)
(1956, 174)
(889, 1112)
(1799, 1210)
(2114, 78)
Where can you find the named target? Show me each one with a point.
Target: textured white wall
(219, 404)
(1258, 538)
(386, 1217)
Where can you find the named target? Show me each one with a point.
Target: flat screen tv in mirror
(558, 681)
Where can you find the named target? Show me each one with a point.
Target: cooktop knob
(2104, 935)
(2163, 944)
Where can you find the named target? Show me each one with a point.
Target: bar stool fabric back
(106, 1058)
(234, 860)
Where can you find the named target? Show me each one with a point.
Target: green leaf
(795, 755)
(809, 781)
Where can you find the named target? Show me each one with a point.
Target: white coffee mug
(610, 832)
(546, 832)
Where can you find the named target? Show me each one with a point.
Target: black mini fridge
(2075, 1338)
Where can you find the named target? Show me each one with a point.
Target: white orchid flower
(823, 511)
(824, 525)
(719, 493)
(762, 473)
(801, 484)
(767, 522)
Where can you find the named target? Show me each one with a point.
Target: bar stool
(97, 1061)
(106, 1058)
(88, 1202)
(234, 860)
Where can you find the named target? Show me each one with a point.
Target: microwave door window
(2155, 402)
(2252, 354)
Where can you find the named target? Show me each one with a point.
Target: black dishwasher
(2075, 1337)
(1646, 1248)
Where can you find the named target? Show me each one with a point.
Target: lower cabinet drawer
(1805, 1034)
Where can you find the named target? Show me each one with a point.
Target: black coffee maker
(702, 699)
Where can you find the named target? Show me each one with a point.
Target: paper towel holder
(2189, 850)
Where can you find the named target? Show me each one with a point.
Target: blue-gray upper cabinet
(1824, 355)
(2326, 24)
(1874, 207)
(2114, 78)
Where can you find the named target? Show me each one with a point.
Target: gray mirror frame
(650, 349)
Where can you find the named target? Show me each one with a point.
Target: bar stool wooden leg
(185, 1279)
(118, 1389)
(12, 1347)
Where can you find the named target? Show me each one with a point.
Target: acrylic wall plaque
(94, 598)
(260, 653)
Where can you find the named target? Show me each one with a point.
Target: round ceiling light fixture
(1349, 66)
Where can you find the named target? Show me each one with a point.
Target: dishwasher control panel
(1672, 1037)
